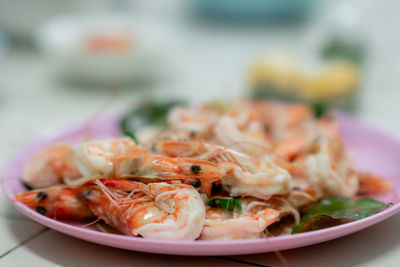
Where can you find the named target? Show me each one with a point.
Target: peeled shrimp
(51, 166)
(293, 120)
(172, 148)
(243, 132)
(292, 127)
(329, 169)
(245, 175)
(94, 158)
(197, 121)
(329, 177)
(251, 223)
(156, 210)
(266, 181)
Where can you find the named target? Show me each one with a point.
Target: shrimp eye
(41, 210)
(196, 183)
(41, 196)
(195, 168)
(27, 185)
(86, 193)
(296, 188)
(192, 134)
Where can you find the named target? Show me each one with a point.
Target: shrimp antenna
(91, 223)
(107, 192)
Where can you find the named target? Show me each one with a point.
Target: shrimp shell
(155, 211)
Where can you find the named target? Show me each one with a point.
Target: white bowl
(106, 49)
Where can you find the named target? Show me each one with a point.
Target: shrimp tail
(370, 184)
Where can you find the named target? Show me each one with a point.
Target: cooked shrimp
(241, 175)
(290, 148)
(198, 121)
(244, 175)
(299, 198)
(284, 120)
(330, 177)
(172, 148)
(155, 210)
(294, 118)
(94, 158)
(205, 151)
(267, 180)
(325, 168)
(251, 223)
(328, 167)
(51, 166)
(244, 131)
(328, 130)
(291, 126)
(371, 184)
(59, 202)
(142, 164)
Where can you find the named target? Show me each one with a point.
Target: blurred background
(63, 61)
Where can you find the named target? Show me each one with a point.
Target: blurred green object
(319, 109)
(146, 115)
(345, 49)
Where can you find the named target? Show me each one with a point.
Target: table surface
(33, 101)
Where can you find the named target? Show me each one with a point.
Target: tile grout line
(241, 261)
(24, 242)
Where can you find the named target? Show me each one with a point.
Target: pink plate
(372, 151)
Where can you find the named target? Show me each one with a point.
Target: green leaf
(319, 110)
(338, 208)
(150, 113)
(226, 203)
(345, 49)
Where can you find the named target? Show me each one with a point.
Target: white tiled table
(32, 102)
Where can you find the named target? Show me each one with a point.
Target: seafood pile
(242, 170)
